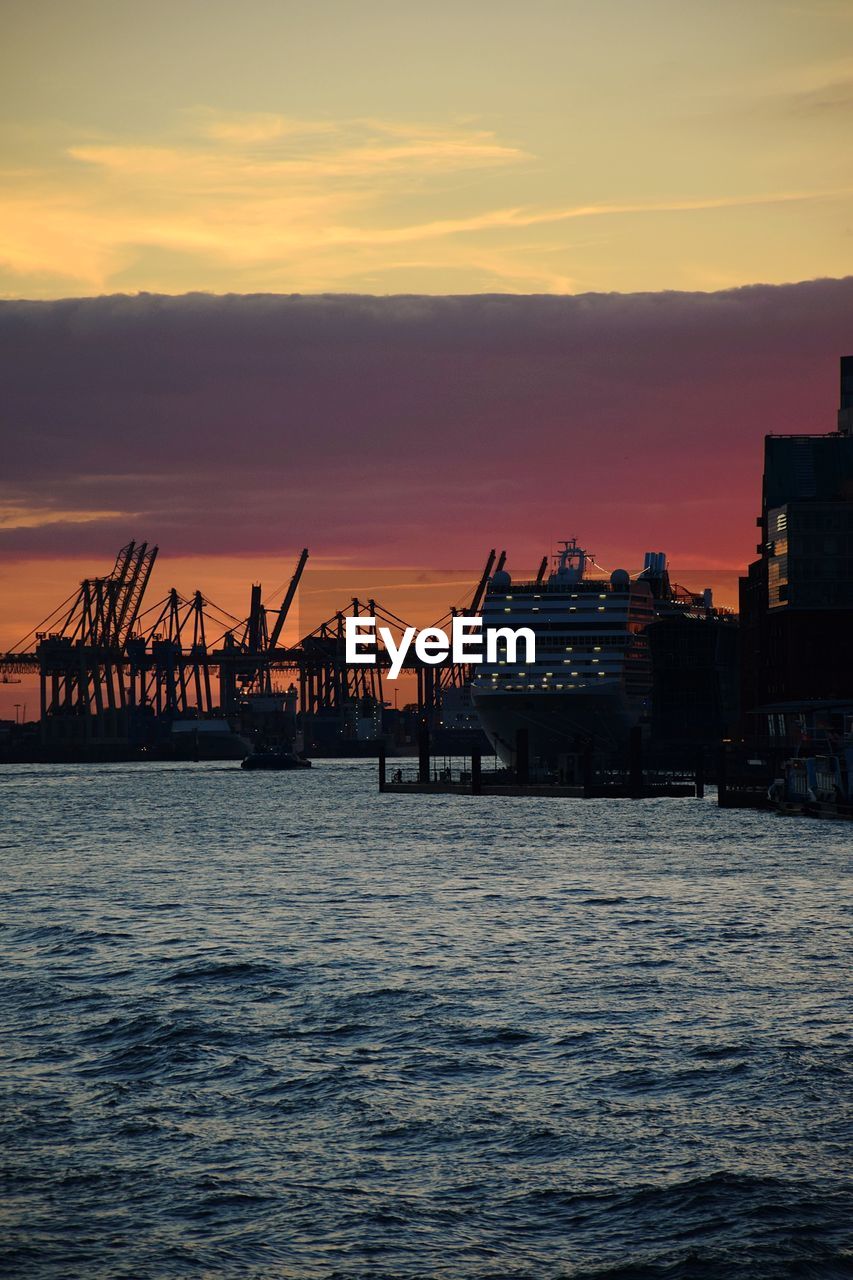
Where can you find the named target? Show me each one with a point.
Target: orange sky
(403, 282)
(420, 597)
(557, 146)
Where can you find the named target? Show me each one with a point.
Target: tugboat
(275, 759)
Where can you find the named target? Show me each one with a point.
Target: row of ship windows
(556, 632)
(555, 655)
(639, 686)
(573, 608)
(545, 683)
(539, 675)
(579, 659)
(572, 596)
(593, 644)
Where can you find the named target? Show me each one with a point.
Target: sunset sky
(596, 184)
(390, 146)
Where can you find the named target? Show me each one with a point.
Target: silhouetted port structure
(796, 601)
(796, 610)
(112, 672)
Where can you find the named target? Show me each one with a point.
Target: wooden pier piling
(423, 754)
(522, 757)
(635, 762)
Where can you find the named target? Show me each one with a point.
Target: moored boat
(816, 786)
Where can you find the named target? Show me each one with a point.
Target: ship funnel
(654, 564)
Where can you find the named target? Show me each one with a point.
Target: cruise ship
(591, 681)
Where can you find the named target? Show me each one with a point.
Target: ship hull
(558, 722)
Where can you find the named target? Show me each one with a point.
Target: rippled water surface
(278, 1025)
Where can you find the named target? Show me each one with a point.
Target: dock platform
(434, 776)
(553, 790)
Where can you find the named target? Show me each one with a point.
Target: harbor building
(796, 601)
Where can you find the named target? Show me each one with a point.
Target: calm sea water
(266, 1025)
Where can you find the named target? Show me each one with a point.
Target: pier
(587, 778)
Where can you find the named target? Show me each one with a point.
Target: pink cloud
(408, 429)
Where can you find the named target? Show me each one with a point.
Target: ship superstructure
(592, 672)
(591, 680)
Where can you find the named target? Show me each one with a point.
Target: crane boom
(477, 600)
(288, 600)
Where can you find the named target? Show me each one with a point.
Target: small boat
(275, 760)
(816, 786)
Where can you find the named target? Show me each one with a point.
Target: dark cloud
(409, 428)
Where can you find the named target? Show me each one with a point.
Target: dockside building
(796, 601)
